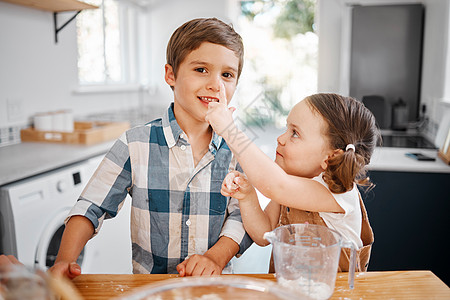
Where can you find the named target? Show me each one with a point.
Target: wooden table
(368, 285)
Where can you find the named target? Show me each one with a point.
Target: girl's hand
(219, 116)
(236, 185)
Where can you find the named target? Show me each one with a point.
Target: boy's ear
(169, 75)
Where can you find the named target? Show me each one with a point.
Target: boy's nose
(214, 84)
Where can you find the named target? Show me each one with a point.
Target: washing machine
(32, 213)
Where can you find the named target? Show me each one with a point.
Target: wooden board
(86, 133)
(54, 5)
(368, 285)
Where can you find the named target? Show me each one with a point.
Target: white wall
(334, 49)
(37, 74)
(436, 58)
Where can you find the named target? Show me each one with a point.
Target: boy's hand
(198, 265)
(219, 115)
(9, 260)
(69, 270)
(236, 185)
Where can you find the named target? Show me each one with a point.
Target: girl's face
(303, 149)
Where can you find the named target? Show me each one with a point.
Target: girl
(320, 159)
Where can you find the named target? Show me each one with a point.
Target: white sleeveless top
(349, 223)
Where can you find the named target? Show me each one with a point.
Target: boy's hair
(189, 36)
(349, 122)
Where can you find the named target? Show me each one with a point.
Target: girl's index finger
(222, 94)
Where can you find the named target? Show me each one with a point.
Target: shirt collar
(173, 131)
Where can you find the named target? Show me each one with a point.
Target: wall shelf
(55, 6)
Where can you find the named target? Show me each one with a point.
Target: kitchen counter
(28, 159)
(23, 160)
(383, 159)
(394, 159)
(368, 285)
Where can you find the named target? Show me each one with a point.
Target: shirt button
(183, 147)
(188, 222)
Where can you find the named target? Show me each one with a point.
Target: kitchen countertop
(23, 160)
(368, 285)
(27, 159)
(394, 159)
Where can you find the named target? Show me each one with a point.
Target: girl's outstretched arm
(256, 221)
(264, 174)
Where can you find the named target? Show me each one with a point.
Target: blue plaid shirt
(177, 209)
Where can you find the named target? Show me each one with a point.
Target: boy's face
(200, 77)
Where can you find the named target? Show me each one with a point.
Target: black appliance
(386, 56)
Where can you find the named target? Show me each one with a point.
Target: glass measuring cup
(24, 283)
(306, 258)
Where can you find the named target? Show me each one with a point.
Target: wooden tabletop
(368, 285)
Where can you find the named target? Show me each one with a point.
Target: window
(281, 57)
(108, 43)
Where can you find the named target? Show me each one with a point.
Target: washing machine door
(50, 241)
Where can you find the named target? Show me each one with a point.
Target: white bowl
(212, 288)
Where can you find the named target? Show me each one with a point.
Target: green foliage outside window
(296, 16)
(291, 18)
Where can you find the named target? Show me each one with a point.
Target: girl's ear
(169, 75)
(337, 152)
(324, 164)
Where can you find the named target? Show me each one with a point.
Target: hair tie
(350, 146)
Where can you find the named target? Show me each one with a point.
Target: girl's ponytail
(352, 129)
(344, 169)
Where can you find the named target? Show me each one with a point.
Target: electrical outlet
(14, 108)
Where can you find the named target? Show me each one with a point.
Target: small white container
(57, 121)
(68, 121)
(63, 121)
(43, 122)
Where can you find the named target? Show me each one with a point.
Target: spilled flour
(312, 289)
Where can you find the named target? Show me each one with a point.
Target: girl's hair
(189, 36)
(349, 122)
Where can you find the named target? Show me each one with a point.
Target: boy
(173, 167)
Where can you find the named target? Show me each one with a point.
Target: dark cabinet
(409, 214)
